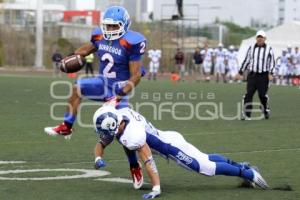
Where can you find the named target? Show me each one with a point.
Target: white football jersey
(220, 55)
(137, 129)
(232, 56)
(134, 135)
(296, 58)
(154, 55)
(207, 55)
(289, 56)
(284, 60)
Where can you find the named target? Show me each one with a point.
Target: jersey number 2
(143, 47)
(106, 72)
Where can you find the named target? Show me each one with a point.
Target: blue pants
(99, 89)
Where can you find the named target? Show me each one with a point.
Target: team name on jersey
(183, 157)
(110, 49)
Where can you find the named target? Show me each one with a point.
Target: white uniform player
(220, 58)
(154, 55)
(134, 132)
(296, 61)
(290, 68)
(207, 54)
(283, 68)
(170, 144)
(232, 62)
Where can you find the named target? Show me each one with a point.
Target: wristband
(97, 158)
(120, 92)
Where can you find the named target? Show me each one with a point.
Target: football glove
(151, 195)
(99, 162)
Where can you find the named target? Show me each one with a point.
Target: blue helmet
(106, 121)
(118, 16)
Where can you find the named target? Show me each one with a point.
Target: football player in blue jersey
(120, 53)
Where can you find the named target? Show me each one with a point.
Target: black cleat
(267, 115)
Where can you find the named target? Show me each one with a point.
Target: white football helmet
(106, 121)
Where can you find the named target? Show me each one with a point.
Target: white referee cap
(261, 33)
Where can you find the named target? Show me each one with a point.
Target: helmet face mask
(115, 33)
(118, 17)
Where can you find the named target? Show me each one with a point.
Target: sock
(69, 119)
(226, 169)
(132, 159)
(247, 174)
(217, 158)
(220, 158)
(230, 170)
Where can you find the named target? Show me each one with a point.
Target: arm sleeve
(246, 61)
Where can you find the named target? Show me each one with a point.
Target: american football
(72, 64)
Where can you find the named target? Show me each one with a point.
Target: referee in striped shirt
(260, 63)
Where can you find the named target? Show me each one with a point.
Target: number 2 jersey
(115, 55)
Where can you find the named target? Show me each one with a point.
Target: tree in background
(236, 33)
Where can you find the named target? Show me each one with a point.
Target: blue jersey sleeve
(137, 44)
(96, 36)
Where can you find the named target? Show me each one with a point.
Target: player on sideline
(296, 62)
(120, 53)
(220, 60)
(154, 55)
(232, 62)
(207, 54)
(134, 132)
(283, 66)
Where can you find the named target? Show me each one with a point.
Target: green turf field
(273, 145)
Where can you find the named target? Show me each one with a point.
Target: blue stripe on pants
(172, 152)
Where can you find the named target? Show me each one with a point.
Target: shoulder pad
(96, 35)
(97, 31)
(133, 37)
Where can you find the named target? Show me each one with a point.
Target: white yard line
(25, 76)
(2, 162)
